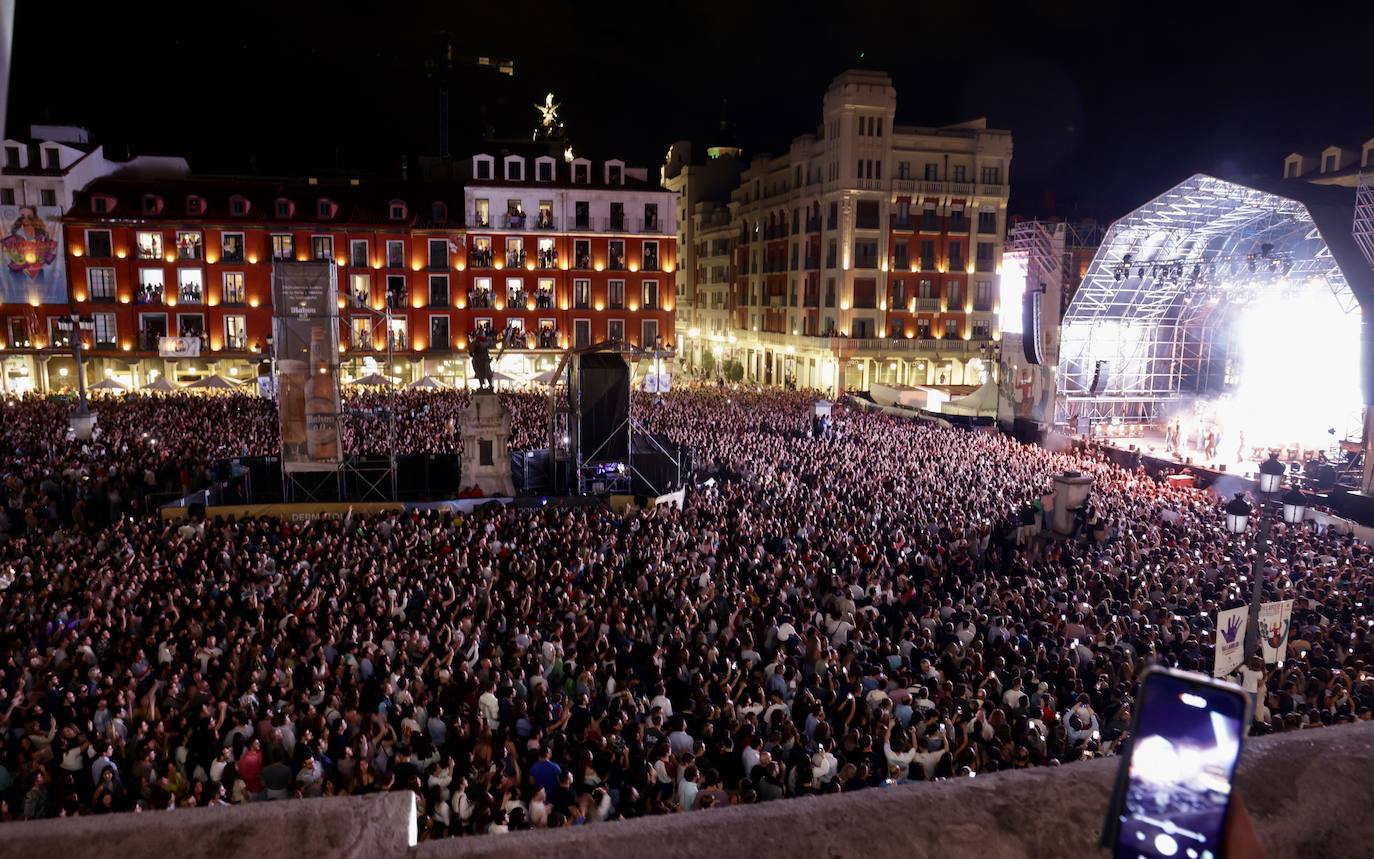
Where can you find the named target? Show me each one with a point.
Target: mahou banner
(1230, 640)
(31, 259)
(305, 343)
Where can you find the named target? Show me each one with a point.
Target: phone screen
(1183, 759)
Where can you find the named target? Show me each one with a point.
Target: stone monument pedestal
(484, 427)
(1070, 491)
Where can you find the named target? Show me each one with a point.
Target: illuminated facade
(539, 253)
(869, 251)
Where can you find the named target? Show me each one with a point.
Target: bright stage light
(1299, 367)
(1010, 287)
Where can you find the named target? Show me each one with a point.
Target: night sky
(1109, 102)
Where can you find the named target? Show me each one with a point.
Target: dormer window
(284, 207)
(615, 173)
(482, 166)
(238, 205)
(102, 203)
(582, 171)
(397, 210)
(152, 204)
(543, 169)
(515, 169)
(195, 205)
(324, 208)
(52, 158)
(438, 212)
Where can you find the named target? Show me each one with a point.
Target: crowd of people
(828, 612)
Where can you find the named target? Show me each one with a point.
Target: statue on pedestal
(484, 428)
(480, 353)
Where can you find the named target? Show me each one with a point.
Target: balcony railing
(515, 259)
(813, 261)
(480, 221)
(957, 225)
(544, 221)
(927, 305)
(813, 225)
(546, 259)
(901, 223)
(985, 265)
(514, 220)
(236, 344)
(480, 257)
(439, 344)
(479, 299)
(149, 293)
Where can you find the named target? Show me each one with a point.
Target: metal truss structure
(1151, 320)
(1363, 228)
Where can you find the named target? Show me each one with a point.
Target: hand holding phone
(1175, 785)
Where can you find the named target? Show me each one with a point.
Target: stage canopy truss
(1160, 313)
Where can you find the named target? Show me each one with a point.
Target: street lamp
(1237, 511)
(80, 420)
(1237, 514)
(1271, 474)
(1294, 507)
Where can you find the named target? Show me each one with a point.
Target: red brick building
(546, 253)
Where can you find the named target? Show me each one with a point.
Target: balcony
(546, 260)
(544, 221)
(480, 221)
(480, 258)
(957, 224)
(927, 263)
(237, 257)
(956, 263)
(479, 299)
(543, 300)
(901, 224)
(190, 294)
(235, 343)
(901, 262)
(813, 261)
(149, 293)
(148, 338)
(582, 262)
(813, 225)
(983, 306)
(515, 259)
(985, 265)
(438, 302)
(514, 220)
(517, 299)
(616, 224)
(927, 305)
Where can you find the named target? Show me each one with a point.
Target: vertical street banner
(305, 344)
(1230, 642)
(32, 270)
(1274, 620)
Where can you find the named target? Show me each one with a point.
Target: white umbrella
(373, 379)
(213, 382)
(546, 378)
(427, 382)
(161, 385)
(108, 385)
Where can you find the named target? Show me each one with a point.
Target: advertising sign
(1274, 618)
(31, 252)
(178, 347)
(306, 345)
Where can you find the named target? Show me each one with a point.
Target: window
(360, 290)
(480, 255)
(11, 156)
(617, 216)
(543, 294)
(324, 209)
(283, 208)
(651, 218)
(582, 253)
(19, 333)
(613, 174)
(923, 328)
(438, 290)
(232, 288)
(52, 158)
(322, 248)
(397, 333)
(1290, 171)
(582, 293)
(396, 291)
(648, 333)
(1328, 163)
(150, 285)
(991, 176)
(283, 246)
(981, 329)
(903, 169)
(483, 168)
(927, 255)
(235, 333)
(515, 252)
(932, 173)
(616, 295)
(104, 331)
(57, 335)
(833, 221)
(190, 286)
(954, 296)
(866, 215)
(544, 220)
(7, 199)
(238, 206)
(438, 253)
(924, 289)
(360, 332)
(865, 293)
(47, 197)
(830, 292)
(99, 244)
(615, 330)
(544, 171)
(959, 170)
(481, 213)
(982, 295)
(101, 283)
(190, 325)
(149, 245)
(515, 293)
(231, 247)
(650, 295)
(865, 253)
(956, 256)
(616, 260)
(952, 329)
(987, 222)
(515, 170)
(582, 333)
(397, 210)
(986, 252)
(395, 254)
(357, 253)
(898, 294)
(651, 256)
(582, 215)
(515, 214)
(438, 332)
(581, 173)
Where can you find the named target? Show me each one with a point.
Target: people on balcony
(149, 293)
(480, 257)
(479, 298)
(515, 259)
(545, 219)
(547, 258)
(543, 299)
(548, 337)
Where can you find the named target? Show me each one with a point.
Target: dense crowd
(824, 615)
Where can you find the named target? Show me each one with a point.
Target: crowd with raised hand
(827, 614)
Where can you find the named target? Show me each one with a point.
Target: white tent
(108, 385)
(546, 378)
(980, 403)
(373, 380)
(160, 385)
(213, 382)
(428, 383)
